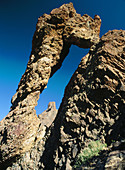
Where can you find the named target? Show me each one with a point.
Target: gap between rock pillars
(57, 83)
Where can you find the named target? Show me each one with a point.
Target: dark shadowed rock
(93, 107)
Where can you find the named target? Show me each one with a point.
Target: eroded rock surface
(51, 42)
(93, 107)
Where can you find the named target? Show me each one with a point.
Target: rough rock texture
(112, 158)
(51, 42)
(109, 161)
(115, 159)
(93, 106)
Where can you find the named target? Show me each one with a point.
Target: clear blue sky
(18, 20)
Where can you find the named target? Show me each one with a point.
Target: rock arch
(54, 35)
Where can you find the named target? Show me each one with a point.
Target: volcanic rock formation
(53, 36)
(93, 106)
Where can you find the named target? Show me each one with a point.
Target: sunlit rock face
(93, 106)
(51, 42)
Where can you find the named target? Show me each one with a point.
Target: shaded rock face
(93, 106)
(51, 42)
(107, 160)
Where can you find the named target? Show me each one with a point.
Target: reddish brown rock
(51, 42)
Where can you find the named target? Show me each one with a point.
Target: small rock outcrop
(49, 115)
(93, 106)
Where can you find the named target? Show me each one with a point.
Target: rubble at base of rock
(93, 106)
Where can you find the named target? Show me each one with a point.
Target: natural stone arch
(51, 42)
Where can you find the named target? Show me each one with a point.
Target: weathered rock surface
(115, 160)
(109, 161)
(51, 42)
(93, 106)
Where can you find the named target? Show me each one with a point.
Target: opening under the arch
(56, 85)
